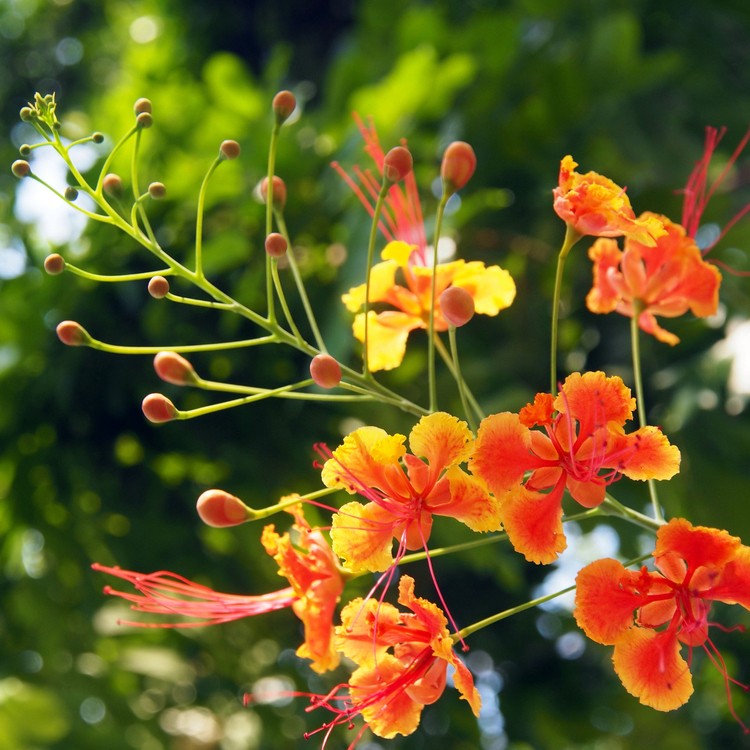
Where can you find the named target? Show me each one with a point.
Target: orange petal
(444, 440)
(429, 615)
(501, 452)
(651, 668)
(595, 400)
(382, 278)
(362, 536)
(470, 502)
(361, 622)
(533, 522)
(647, 454)
(604, 607)
(733, 586)
(679, 544)
(648, 324)
(604, 295)
(538, 413)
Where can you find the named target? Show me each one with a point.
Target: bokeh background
(627, 87)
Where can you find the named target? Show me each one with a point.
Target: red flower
(666, 279)
(583, 449)
(696, 566)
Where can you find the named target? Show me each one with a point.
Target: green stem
(431, 335)
(622, 511)
(459, 379)
(199, 218)
(640, 400)
(270, 173)
(446, 357)
(571, 237)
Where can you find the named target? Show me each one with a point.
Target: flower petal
(362, 536)
(442, 439)
(595, 400)
(470, 502)
(651, 668)
(492, 288)
(382, 278)
(645, 454)
(533, 522)
(386, 336)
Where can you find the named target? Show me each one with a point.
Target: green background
(626, 87)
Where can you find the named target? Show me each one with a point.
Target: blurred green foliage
(627, 87)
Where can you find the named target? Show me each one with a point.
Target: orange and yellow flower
(649, 616)
(583, 448)
(407, 259)
(311, 569)
(404, 491)
(594, 205)
(402, 660)
(492, 289)
(666, 279)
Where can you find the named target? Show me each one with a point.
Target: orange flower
(667, 279)
(583, 448)
(695, 565)
(594, 205)
(311, 569)
(404, 491)
(406, 254)
(402, 660)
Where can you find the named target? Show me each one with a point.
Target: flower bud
(220, 509)
(142, 105)
(97, 137)
(72, 333)
(229, 150)
(459, 163)
(70, 193)
(283, 105)
(26, 113)
(325, 371)
(24, 149)
(157, 190)
(54, 264)
(112, 185)
(397, 164)
(144, 120)
(21, 168)
(158, 287)
(457, 306)
(279, 191)
(172, 368)
(276, 245)
(158, 408)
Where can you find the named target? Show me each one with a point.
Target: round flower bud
(172, 368)
(158, 287)
(459, 163)
(142, 105)
(325, 371)
(72, 333)
(283, 105)
(26, 113)
(70, 193)
(279, 191)
(157, 190)
(220, 509)
(158, 408)
(97, 137)
(54, 264)
(276, 245)
(457, 306)
(144, 120)
(397, 164)
(21, 168)
(25, 149)
(229, 150)
(112, 185)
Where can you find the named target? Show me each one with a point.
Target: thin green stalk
(432, 382)
(615, 508)
(459, 379)
(270, 173)
(282, 299)
(199, 218)
(640, 400)
(571, 237)
(446, 357)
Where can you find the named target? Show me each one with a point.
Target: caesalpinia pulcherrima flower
(649, 616)
(405, 490)
(402, 660)
(316, 583)
(666, 279)
(582, 447)
(591, 204)
(403, 279)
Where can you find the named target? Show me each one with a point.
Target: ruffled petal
(492, 288)
(651, 668)
(470, 502)
(644, 454)
(382, 278)
(442, 439)
(362, 536)
(595, 400)
(361, 620)
(605, 292)
(501, 452)
(533, 522)
(604, 606)
(733, 586)
(386, 336)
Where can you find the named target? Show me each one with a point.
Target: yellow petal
(386, 337)
(382, 279)
(492, 289)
